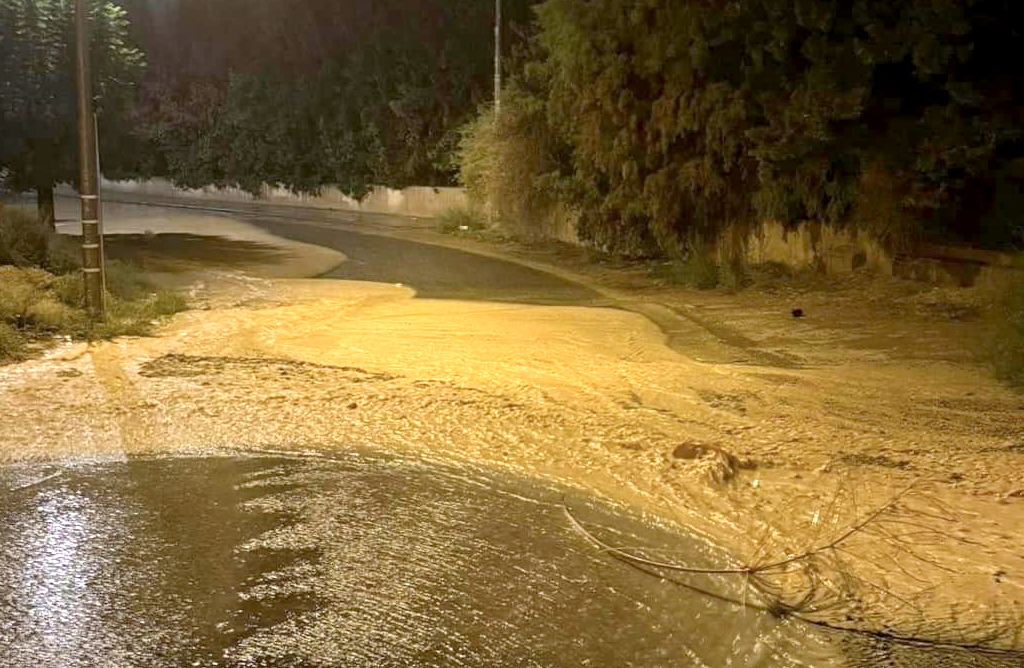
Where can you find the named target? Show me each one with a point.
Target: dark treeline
(666, 121)
(307, 93)
(661, 122)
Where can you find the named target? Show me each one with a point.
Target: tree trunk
(45, 206)
(44, 174)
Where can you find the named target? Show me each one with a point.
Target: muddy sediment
(769, 461)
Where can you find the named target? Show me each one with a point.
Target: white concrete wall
(836, 250)
(423, 202)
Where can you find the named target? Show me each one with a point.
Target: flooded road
(131, 552)
(357, 559)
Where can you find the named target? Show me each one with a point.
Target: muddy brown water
(361, 559)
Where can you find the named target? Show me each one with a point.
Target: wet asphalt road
(434, 272)
(358, 560)
(364, 560)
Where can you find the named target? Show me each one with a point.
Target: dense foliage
(660, 122)
(377, 102)
(38, 109)
(683, 117)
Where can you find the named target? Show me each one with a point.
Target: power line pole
(88, 182)
(497, 59)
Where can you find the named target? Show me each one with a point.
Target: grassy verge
(42, 291)
(1005, 345)
(461, 220)
(697, 269)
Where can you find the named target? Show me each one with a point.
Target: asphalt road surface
(362, 560)
(353, 560)
(434, 272)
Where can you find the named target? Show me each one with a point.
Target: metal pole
(103, 250)
(497, 59)
(88, 186)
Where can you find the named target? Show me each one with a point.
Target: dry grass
(461, 220)
(696, 269)
(11, 345)
(24, 241)
(36, 303)
(1004, 344)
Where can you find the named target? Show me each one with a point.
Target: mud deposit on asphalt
(766, 461)
(359, 559)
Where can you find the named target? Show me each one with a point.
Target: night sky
(205, 38)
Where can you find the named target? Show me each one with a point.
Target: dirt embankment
(771, 434)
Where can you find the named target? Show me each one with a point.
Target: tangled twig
(750, 570)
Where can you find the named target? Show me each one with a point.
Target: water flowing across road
(357, 559)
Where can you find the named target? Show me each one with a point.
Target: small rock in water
(798, 313)
(708, 461)
(690, 451)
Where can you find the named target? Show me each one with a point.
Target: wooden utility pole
(88, 182)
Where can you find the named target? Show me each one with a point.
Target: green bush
(11, 346)
(462, 219)
(64, 254)
(1005, 347)
(168, 302)
(49, 314)
(125, 318)
(34, 299)
(20, 289)
(512, 164)
(23, 239)
(734, 275)
(697, 269)
(126, 281)
(69, 289)
(771, 272)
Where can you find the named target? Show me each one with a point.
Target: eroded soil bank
(770, 461)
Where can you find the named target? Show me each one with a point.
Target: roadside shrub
(1005, 347)
(124, 318)
(33, 299)
(734, 275)
(20, 289)
(69, 289)
(24, 240)
(511, 164)
(168, 302)
(64, 254)
(11, 346)
(771, 272)
(697, 269)
(126, 281)
(462, 219)
(51, 315)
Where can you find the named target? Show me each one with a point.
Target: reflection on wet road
(357, 561)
